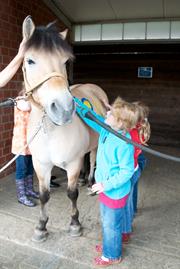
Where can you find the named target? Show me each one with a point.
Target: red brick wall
(12, 14)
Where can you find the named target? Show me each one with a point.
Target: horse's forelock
(48, 38)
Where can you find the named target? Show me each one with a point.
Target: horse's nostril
(53, 107)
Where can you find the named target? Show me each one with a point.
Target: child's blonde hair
(143, 125)
(124, 112)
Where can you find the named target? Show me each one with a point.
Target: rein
(90, 116)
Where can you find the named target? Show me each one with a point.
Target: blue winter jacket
(114, 160)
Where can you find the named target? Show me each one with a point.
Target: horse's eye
(29, 61)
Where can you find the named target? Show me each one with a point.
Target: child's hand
(107, 105)
(97, 188)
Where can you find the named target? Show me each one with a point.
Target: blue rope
(90, 116)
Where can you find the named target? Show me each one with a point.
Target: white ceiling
(88, 11)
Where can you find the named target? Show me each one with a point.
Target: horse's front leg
(73, 171)
(43, 172)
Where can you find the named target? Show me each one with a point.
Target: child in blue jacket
(114, 169)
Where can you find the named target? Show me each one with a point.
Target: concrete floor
(155, 242)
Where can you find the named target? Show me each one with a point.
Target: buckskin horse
(63, 139)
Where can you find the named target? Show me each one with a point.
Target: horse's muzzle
(58, 114)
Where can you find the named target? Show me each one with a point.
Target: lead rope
(90, 116)
(40, 125)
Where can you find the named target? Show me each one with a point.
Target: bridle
(30, 89)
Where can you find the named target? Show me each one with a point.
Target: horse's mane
(49, 39)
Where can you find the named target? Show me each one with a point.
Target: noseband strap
(30, 89)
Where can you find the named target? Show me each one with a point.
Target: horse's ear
(64, 34)
(28, 27)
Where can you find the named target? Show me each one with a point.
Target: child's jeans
(24, 166)
(142, 163)
(135, 197)
(128, 212)
(111, 231)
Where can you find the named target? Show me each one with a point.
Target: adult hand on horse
(22, 48)
(97, 188)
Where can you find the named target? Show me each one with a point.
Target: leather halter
(29, 89)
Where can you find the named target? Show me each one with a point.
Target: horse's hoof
(75, 231)
(39, 236)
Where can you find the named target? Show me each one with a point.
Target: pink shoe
(98, 261)
(98, 248)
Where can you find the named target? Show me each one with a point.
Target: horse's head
(44, 70)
